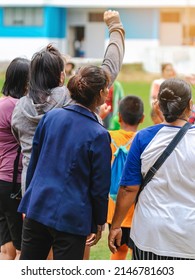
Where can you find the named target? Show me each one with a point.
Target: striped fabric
(143, 255)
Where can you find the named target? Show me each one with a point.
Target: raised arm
(113, 57)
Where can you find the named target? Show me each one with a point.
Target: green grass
(101, 251)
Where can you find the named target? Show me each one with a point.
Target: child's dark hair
(17, 78)
(174, 96)
(46, 68)
(86, 84)
(131, 109)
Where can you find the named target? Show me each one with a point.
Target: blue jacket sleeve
(101, 176)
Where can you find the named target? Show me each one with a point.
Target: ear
(62, 78)
(142, 119)
(190, 104)
(101, 93)
(119, 118)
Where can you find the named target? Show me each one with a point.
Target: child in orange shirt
(130, 116)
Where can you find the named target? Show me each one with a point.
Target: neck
(128, 127)
(178, 122)
(183, 119)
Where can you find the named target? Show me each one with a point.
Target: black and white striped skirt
(143, 255)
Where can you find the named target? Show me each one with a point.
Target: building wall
(53, 25)
(142, 41)
(26, 47)
(140, 23)
(25, 40)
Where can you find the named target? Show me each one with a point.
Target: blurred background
(156, 31)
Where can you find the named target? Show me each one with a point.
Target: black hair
(16, 78)
(46, 68)
(131, 109)
(174, 96)
(86, 84)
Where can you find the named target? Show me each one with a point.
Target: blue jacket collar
(82, 110)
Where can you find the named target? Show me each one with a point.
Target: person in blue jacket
(68, 177)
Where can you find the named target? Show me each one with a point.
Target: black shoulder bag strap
(152, 171)
(15, 194)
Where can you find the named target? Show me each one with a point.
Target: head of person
(47, 72)
(89, 86)
(17, 78)
(131, 110)
(175, 99)
(69, 67)
(167, 71)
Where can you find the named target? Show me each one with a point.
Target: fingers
(110, 14)
(112, 246)
(114, 239)
(93, 238)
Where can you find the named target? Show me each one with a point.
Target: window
(170, 17)
(23, 16)
(96, 17)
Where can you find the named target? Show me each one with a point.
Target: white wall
(182, 57)
(147, 52)
(151, 55)
(135, 50)
(26, 47)
(95, 38)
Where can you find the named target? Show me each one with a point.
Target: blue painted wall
(140, 23)
(54, 25)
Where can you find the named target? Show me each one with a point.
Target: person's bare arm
(125, 198)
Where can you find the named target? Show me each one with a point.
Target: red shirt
(110, 97)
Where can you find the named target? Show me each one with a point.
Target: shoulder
(114, 133)
(22, 104)
(56, 114)
(121, 134)
(8, 104)
(158, 81)
(145, 136)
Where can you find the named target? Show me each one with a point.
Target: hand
(93, 238)
(104, 110)
(114, 239)
(110, 16)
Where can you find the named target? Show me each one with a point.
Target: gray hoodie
(27, 115)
